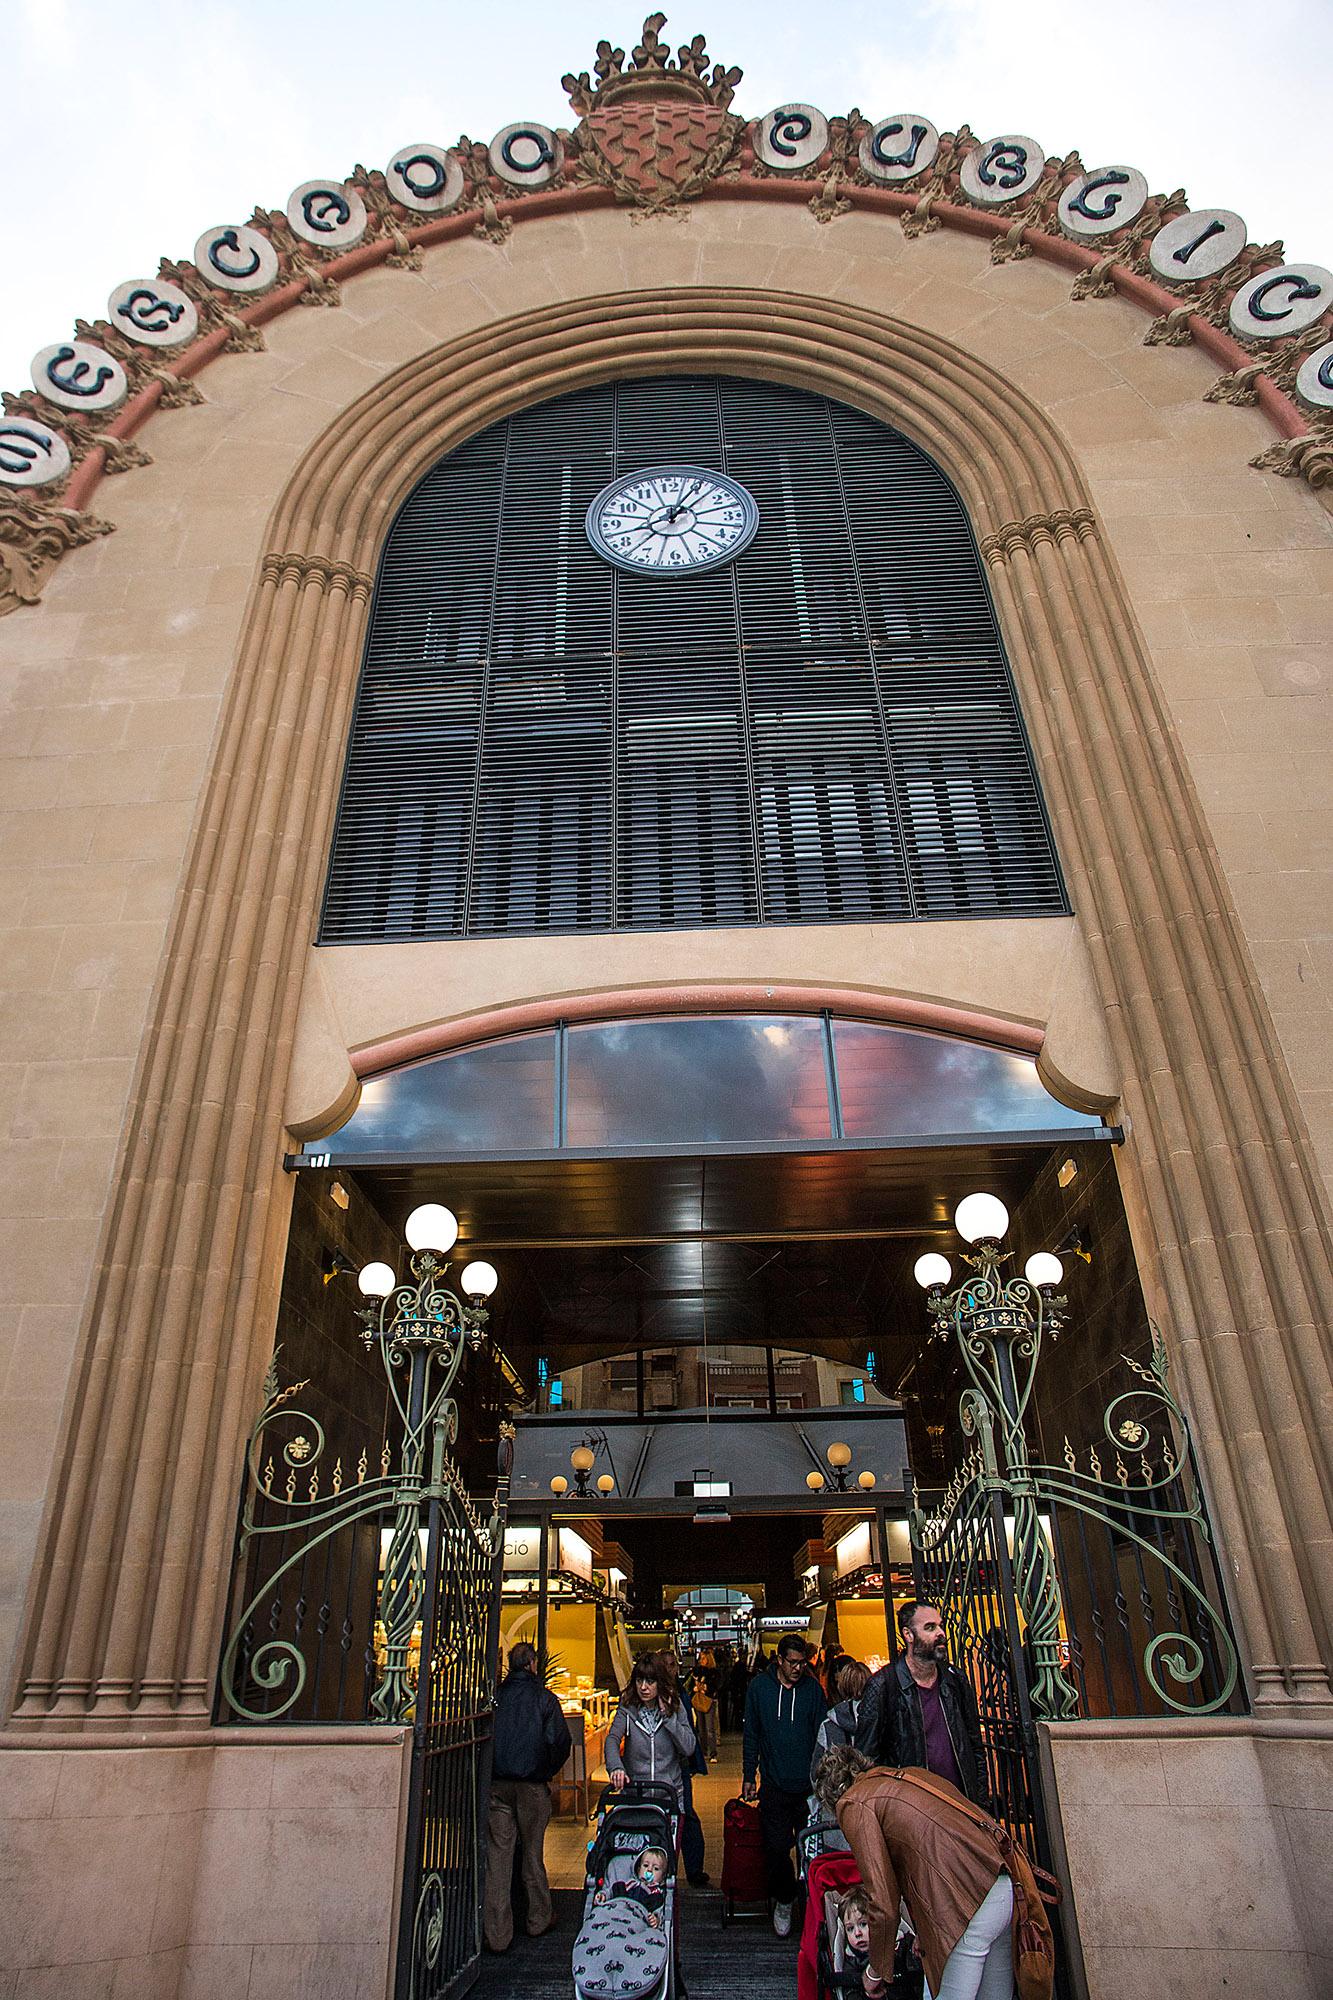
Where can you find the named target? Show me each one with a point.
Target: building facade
(1130, 405)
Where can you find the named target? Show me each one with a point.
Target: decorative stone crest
(656, 132)
(33, 538)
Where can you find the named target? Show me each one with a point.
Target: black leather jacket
(531, 1739)
(890, 1729)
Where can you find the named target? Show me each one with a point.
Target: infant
(648, 1889)
(854, 1910)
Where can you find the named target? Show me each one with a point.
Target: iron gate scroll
(1099, 1577)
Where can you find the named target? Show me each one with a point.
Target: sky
(131, 127)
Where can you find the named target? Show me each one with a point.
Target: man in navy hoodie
(783, 1710)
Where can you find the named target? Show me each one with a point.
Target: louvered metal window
(823, 731)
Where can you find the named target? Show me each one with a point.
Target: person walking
(783, 1711)
(704, 1695)
(921, 1711)
(970, 1892)
(839, 1725)
(738, 1682)
(693, 1849)
(650, 1740)
(530, 1743)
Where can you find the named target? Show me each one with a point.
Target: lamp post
(999, 1324)
(422, 1330)
(839, 1458)
(582, 1460)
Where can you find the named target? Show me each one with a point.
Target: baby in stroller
(847, 1924)
(626, 1946)
(648, 1887)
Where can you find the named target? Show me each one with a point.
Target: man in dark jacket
(783, 1711)
(530, 1744)
(921, 1711)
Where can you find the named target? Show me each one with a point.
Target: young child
(854, 1910)
(648, 1888)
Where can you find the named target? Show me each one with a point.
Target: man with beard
(921, 1711)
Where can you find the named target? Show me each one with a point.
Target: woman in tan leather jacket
(955, 1870)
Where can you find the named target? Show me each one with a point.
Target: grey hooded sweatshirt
(650, 1747)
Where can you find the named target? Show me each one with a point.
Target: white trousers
(981, 1964)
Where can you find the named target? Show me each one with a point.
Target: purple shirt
(939, 1744)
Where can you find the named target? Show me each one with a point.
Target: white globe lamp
(981, 1218)
(1044, 1270)
(479, 1280)
(432, 1227)
(932, 1270)
(376, 1281)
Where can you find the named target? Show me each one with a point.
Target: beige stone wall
(1201, 1856)
(113, 686)
(1035, 973)
(246, 1866)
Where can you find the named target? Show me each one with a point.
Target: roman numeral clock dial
(672, 520)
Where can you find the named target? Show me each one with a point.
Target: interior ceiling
(556, 1202)
(804, 1250)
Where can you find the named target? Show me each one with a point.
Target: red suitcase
(744, 1876)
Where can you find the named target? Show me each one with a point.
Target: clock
(672, 520)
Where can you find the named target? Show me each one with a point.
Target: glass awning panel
(698, 1081)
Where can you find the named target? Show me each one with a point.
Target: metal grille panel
(824, 731)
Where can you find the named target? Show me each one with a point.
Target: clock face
(672, 520)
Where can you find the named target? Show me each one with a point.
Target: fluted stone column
(127, 1617)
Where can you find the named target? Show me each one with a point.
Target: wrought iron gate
(378, 1598)
(960, 1561)
(439, 1942)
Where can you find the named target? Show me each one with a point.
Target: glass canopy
(694, 1081)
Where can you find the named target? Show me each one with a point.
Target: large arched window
(823, 730)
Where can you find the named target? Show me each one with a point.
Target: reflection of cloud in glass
(496, 1098)
(697, 1080)
(901, 1083)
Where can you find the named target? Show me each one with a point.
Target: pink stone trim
(620, 1003)
(1280, 409)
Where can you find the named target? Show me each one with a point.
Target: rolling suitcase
(744, 1876)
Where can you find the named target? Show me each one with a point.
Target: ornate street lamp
(839, 1457)
(999, 1324)
(422, 1331)
(582, 1459)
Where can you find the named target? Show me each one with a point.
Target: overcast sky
(129, 126)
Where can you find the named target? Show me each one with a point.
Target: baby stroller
(619, 1954)
(822, 1971)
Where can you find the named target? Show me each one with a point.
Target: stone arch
(1231, 1237)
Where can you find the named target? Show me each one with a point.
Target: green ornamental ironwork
(422, 1331)
(1000, 1325)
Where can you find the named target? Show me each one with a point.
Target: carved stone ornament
(33, 538)
(1025, 536)
(658, 132)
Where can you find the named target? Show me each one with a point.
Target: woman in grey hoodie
(649, 1740)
